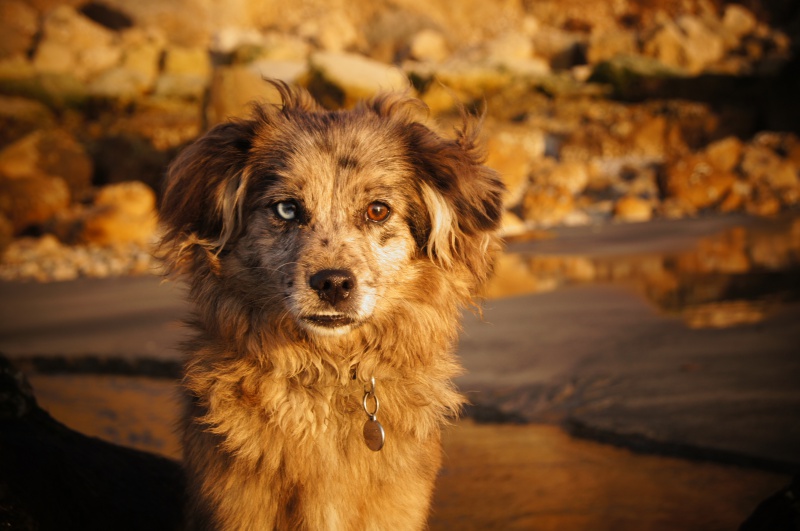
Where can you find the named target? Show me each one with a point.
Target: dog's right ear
(201, 207)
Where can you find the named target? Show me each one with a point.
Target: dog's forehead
(322, 159)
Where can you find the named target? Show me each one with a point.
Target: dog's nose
(333, 285)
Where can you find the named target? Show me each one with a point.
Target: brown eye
(377, 212)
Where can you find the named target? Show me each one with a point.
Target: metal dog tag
(374, 435)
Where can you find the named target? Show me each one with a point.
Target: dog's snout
(333, 285)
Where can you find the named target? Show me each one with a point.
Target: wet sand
(495, 476)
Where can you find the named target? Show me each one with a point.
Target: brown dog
(329, 254)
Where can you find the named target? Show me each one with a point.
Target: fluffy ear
(462, 196)
(201, 207)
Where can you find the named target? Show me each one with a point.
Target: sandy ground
(495, 476)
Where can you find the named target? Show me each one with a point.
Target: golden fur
(277, 369)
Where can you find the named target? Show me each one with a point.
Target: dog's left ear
(462, 196)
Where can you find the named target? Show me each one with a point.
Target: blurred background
(638, 364)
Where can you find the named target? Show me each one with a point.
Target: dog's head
(327, 219)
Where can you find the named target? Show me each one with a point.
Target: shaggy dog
(329, 255)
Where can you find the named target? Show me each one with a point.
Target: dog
(328, 256)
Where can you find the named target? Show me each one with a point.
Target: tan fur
(273, 418)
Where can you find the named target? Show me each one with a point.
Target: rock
(703, 46)
(606, 45)
(273, 46)
(186, 73)
(18, 26)
(341, 79)
(763, 202)
(632, 208)
(572, 176)
(725, 314)
(183, 60)
(142, 51)
(51, 152)
(736, 198)
(511, 225)
(32, 200)
(676, 208)
(628, 74)
(547, 205)
(649, 137)
(725, 154)
(695, 181)
(334, 32)
(687, 43)
(21, 116)
(560, 48)
(6, 234)
(763, 166)
(738, 20)
(469, 80)
(428, 45)
(510, 152)
(235, 88)
(121, 213)
(229, 40)
(509, 47)
(138, 146)
(119, 84)
(72, 43)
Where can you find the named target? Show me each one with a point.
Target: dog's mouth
(329, 321)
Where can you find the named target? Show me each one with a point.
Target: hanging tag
(374, 435)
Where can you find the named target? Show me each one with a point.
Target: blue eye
(286, 210)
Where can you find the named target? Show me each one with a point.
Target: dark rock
(52, 477)
(32, 200)
(52, 152)
(20, 116)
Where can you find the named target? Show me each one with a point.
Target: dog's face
(327, 220)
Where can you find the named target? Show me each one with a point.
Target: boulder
(6, 233)
(273, 46)
(686, 43)
(234, 88)
(702, 46)
(762, 165)
(21, 116)
(546, 205)
(510, 152)
(138, 70)
(725, 154)
(18, 26)
(121, 213)
(572, 176)
(32, 200)
(606, 45)
(341, 79)
(738, 20)
(428, 45)
(165, 124)
(52, 152)
(763, 201)
(72, 43)
(562, 49)
(186, 73)
(693, 180)
(631, 208)
(333, 32)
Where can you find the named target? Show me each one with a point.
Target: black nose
(333, 285)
